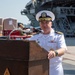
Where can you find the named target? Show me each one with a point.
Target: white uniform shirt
(51, 41)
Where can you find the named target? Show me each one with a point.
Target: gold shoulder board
(58, 32)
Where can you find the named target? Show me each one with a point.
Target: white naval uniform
(52, 41)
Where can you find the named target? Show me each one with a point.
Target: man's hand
(51, 54)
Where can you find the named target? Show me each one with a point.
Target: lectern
(19, 57)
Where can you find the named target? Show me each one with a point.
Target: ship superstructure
(64, 11)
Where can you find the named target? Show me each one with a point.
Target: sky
(12, 9)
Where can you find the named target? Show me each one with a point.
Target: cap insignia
(43, 14)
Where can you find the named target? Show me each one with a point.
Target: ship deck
(69, 57)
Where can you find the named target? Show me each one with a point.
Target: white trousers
(56, 69)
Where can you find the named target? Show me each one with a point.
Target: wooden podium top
(21, 50)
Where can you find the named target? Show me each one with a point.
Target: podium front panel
(14, 67)
(14, 56)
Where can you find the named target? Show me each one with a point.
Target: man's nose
(44, 24)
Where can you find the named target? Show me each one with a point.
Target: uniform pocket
(52, 45)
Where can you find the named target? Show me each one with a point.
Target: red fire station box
(19, 57)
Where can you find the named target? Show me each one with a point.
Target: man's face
(46, 25)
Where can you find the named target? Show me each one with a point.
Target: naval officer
(51, 40)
